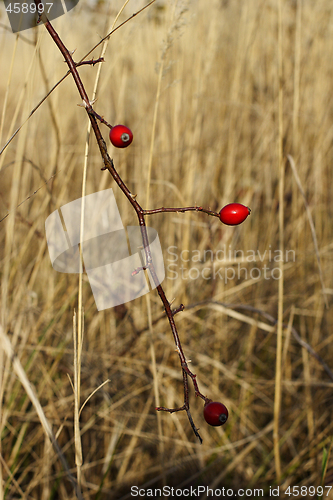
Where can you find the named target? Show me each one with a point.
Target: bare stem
(108, 165)
(181, 210)
(90, 62)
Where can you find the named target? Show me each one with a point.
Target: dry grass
(216, 141)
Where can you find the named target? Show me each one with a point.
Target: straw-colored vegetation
(216, 140)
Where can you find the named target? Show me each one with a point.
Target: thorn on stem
(137, 270)
(179, 309)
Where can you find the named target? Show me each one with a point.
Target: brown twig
(90, 62)
(181, 210)
(109, 165)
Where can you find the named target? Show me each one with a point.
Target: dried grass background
(216, 141)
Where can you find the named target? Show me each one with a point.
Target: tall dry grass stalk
(278, 372)
(217, 125)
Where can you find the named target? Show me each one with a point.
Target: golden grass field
(198, 84)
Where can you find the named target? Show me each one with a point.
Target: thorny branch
(140, 212)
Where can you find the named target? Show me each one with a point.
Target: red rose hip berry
(121, 136)
(215, 413)
(234, 214)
